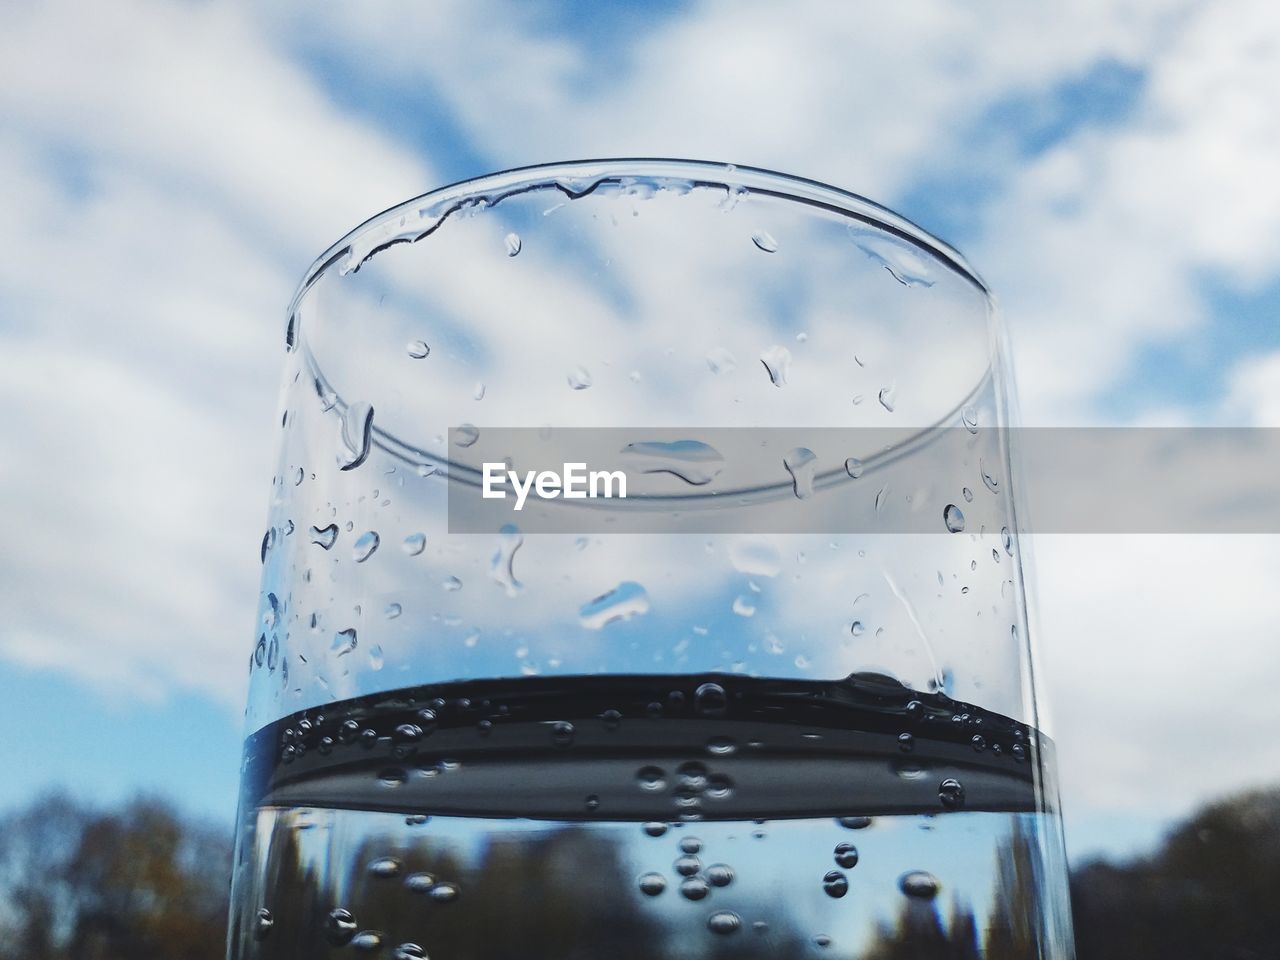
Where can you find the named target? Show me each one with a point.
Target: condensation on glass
(673, 744)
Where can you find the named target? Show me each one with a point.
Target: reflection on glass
(754, 741)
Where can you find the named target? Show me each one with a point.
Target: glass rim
(578, 178)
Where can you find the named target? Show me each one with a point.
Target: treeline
(146, 883)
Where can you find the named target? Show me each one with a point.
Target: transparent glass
(777, 702)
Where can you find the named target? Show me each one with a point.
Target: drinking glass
(777, 701)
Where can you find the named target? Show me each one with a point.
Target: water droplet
(969, 417)
(444, 893)
(777, 360)
(592, 802)
(692, 844)
(953, 518)
(375, 654)
(886, 397)
(856, 628)
(384, 868)
(846, 855)
(694, 888)
(835, 884)
(513, 244)
(720, 360)
(502, 566)
(344, 641)
(409, 951)
(653, 779)
(710, 700)
(919, 884)
(764, 241)
(268, 541)
(854, 823)
(904, 263)
(692, 461)
(652, 884)
(628, 599)
(721, 746)
(821, 940)
(967, 494)
(655, 828)
(724, 922)
(298, 475)
(906, 742)
(368, 940)
(755, 558)
(417, 349)
(951, 793)
(466, 435)
(451, 584)
(419, 882)
(477, 391)
(744, 606)
(355, 435)
(801, 463)
(720, 875)
(262, 924)
(580, 378)
(1007, 539)
(365, 545)
(687, 865)
(853, 467)
(562, 733)
(339, 927)
(414, 544)
(881, 496)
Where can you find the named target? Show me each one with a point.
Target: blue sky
(171, 169)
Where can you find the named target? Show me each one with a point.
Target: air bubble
(694, 888)
(953, 518)
(687, 866)
(777, 361)
(384, 868)
(355, 435)
(919, 885)
(835, 884)
(365, 545)
(724, 922)
(652, 884)
(846, 855)
(417, 349)
(444, 893)
(339, 927)
(720, 874)
(710, 700)
(951, 793)
(513, 244)
(262, 924)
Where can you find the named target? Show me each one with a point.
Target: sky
(171, 168)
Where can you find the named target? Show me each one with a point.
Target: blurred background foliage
(146, 882)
